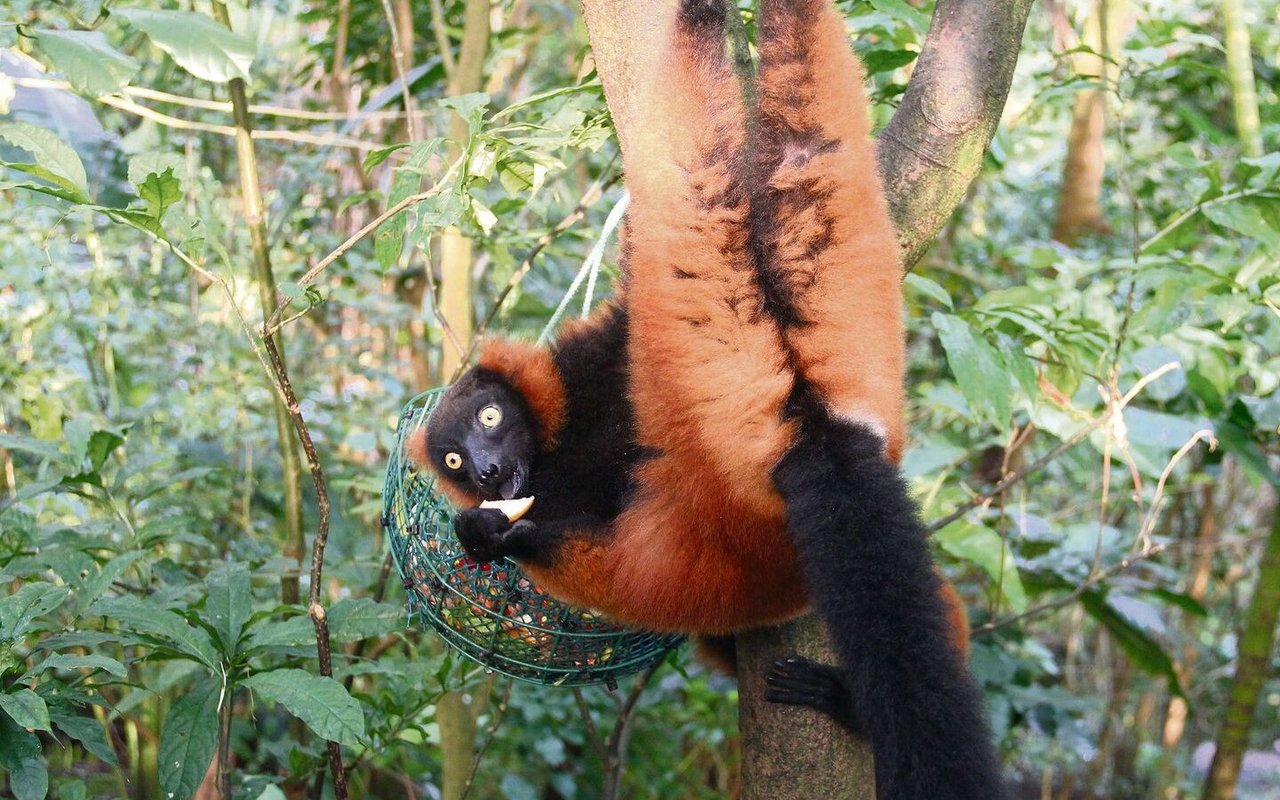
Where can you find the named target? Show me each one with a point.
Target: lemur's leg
(867, 563)
(826, 247)
(708, 370)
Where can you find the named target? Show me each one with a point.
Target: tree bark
(929, 154)
(1253, 666)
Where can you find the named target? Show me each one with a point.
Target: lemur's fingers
(829, 265)
(708, 370)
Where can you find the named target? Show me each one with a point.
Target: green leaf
(71, 661)
(92, 65)
(470, 107)
(376, 157)
(143, 165)
(1256, 217)
(230, 603)
(885, 60)
(160, 191)
(26, 708)
(982, 546)
(297, 631)
(199, 45)
(20, 756)
(928, 288)
(322, 703)
(188, 739)
(1128, 631)
(31, 601)
(88, 732)
(978, 370)
(389, 240)
(55, 160)
(157, 622)
(352, 619)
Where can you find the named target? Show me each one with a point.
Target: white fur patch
(865, 419)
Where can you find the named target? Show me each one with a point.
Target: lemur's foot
(799, 681)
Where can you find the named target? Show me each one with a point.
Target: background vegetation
(1095, 347)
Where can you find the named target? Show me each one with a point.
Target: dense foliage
(1095, 424)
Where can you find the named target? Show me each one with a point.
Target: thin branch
(442, 38)
(1066, 444)
(274, 323)
(593, 732)
(177, 123)
(498, 716)
(399, 58)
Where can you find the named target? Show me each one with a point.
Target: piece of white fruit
(514, 509)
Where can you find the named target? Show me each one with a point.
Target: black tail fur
(872, 579)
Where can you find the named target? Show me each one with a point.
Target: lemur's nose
(488, 475)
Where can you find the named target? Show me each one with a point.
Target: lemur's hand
(487, 535)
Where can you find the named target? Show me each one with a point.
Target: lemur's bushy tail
(871, 577)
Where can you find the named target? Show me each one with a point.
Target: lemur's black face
(482, 437)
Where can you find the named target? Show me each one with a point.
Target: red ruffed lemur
(716, 448)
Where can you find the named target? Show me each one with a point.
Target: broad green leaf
(72, 661)
(297, 631)
(982, 546)
(92, 65)
(157, 622)
(31, 601)
(470, 107)
(982, 378)
(352, 619)
(189, 738)
(160, 191)
(887, 60)
(26, 708)
(199, 45)
(70, 195)
(95, 584)
(55, 160)
(20, 756)
(144, 165)
(1256, 217)
(1141, 648)
(229, 604)
(389, 240)
(272, 792)
(88, 732)
(929, 289)
(320, 702)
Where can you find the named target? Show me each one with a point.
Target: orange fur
(532, 371)
(835, 246)
(702, 545)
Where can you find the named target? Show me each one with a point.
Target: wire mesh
(492, 613)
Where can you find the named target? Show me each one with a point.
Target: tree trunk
(1244, 95)
(1080, 198)
(1253, 667)
(456, 717)
(929, 154)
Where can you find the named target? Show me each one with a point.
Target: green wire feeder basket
(492, 613)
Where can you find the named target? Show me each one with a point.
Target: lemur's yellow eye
(453, 461)
(490, 416)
